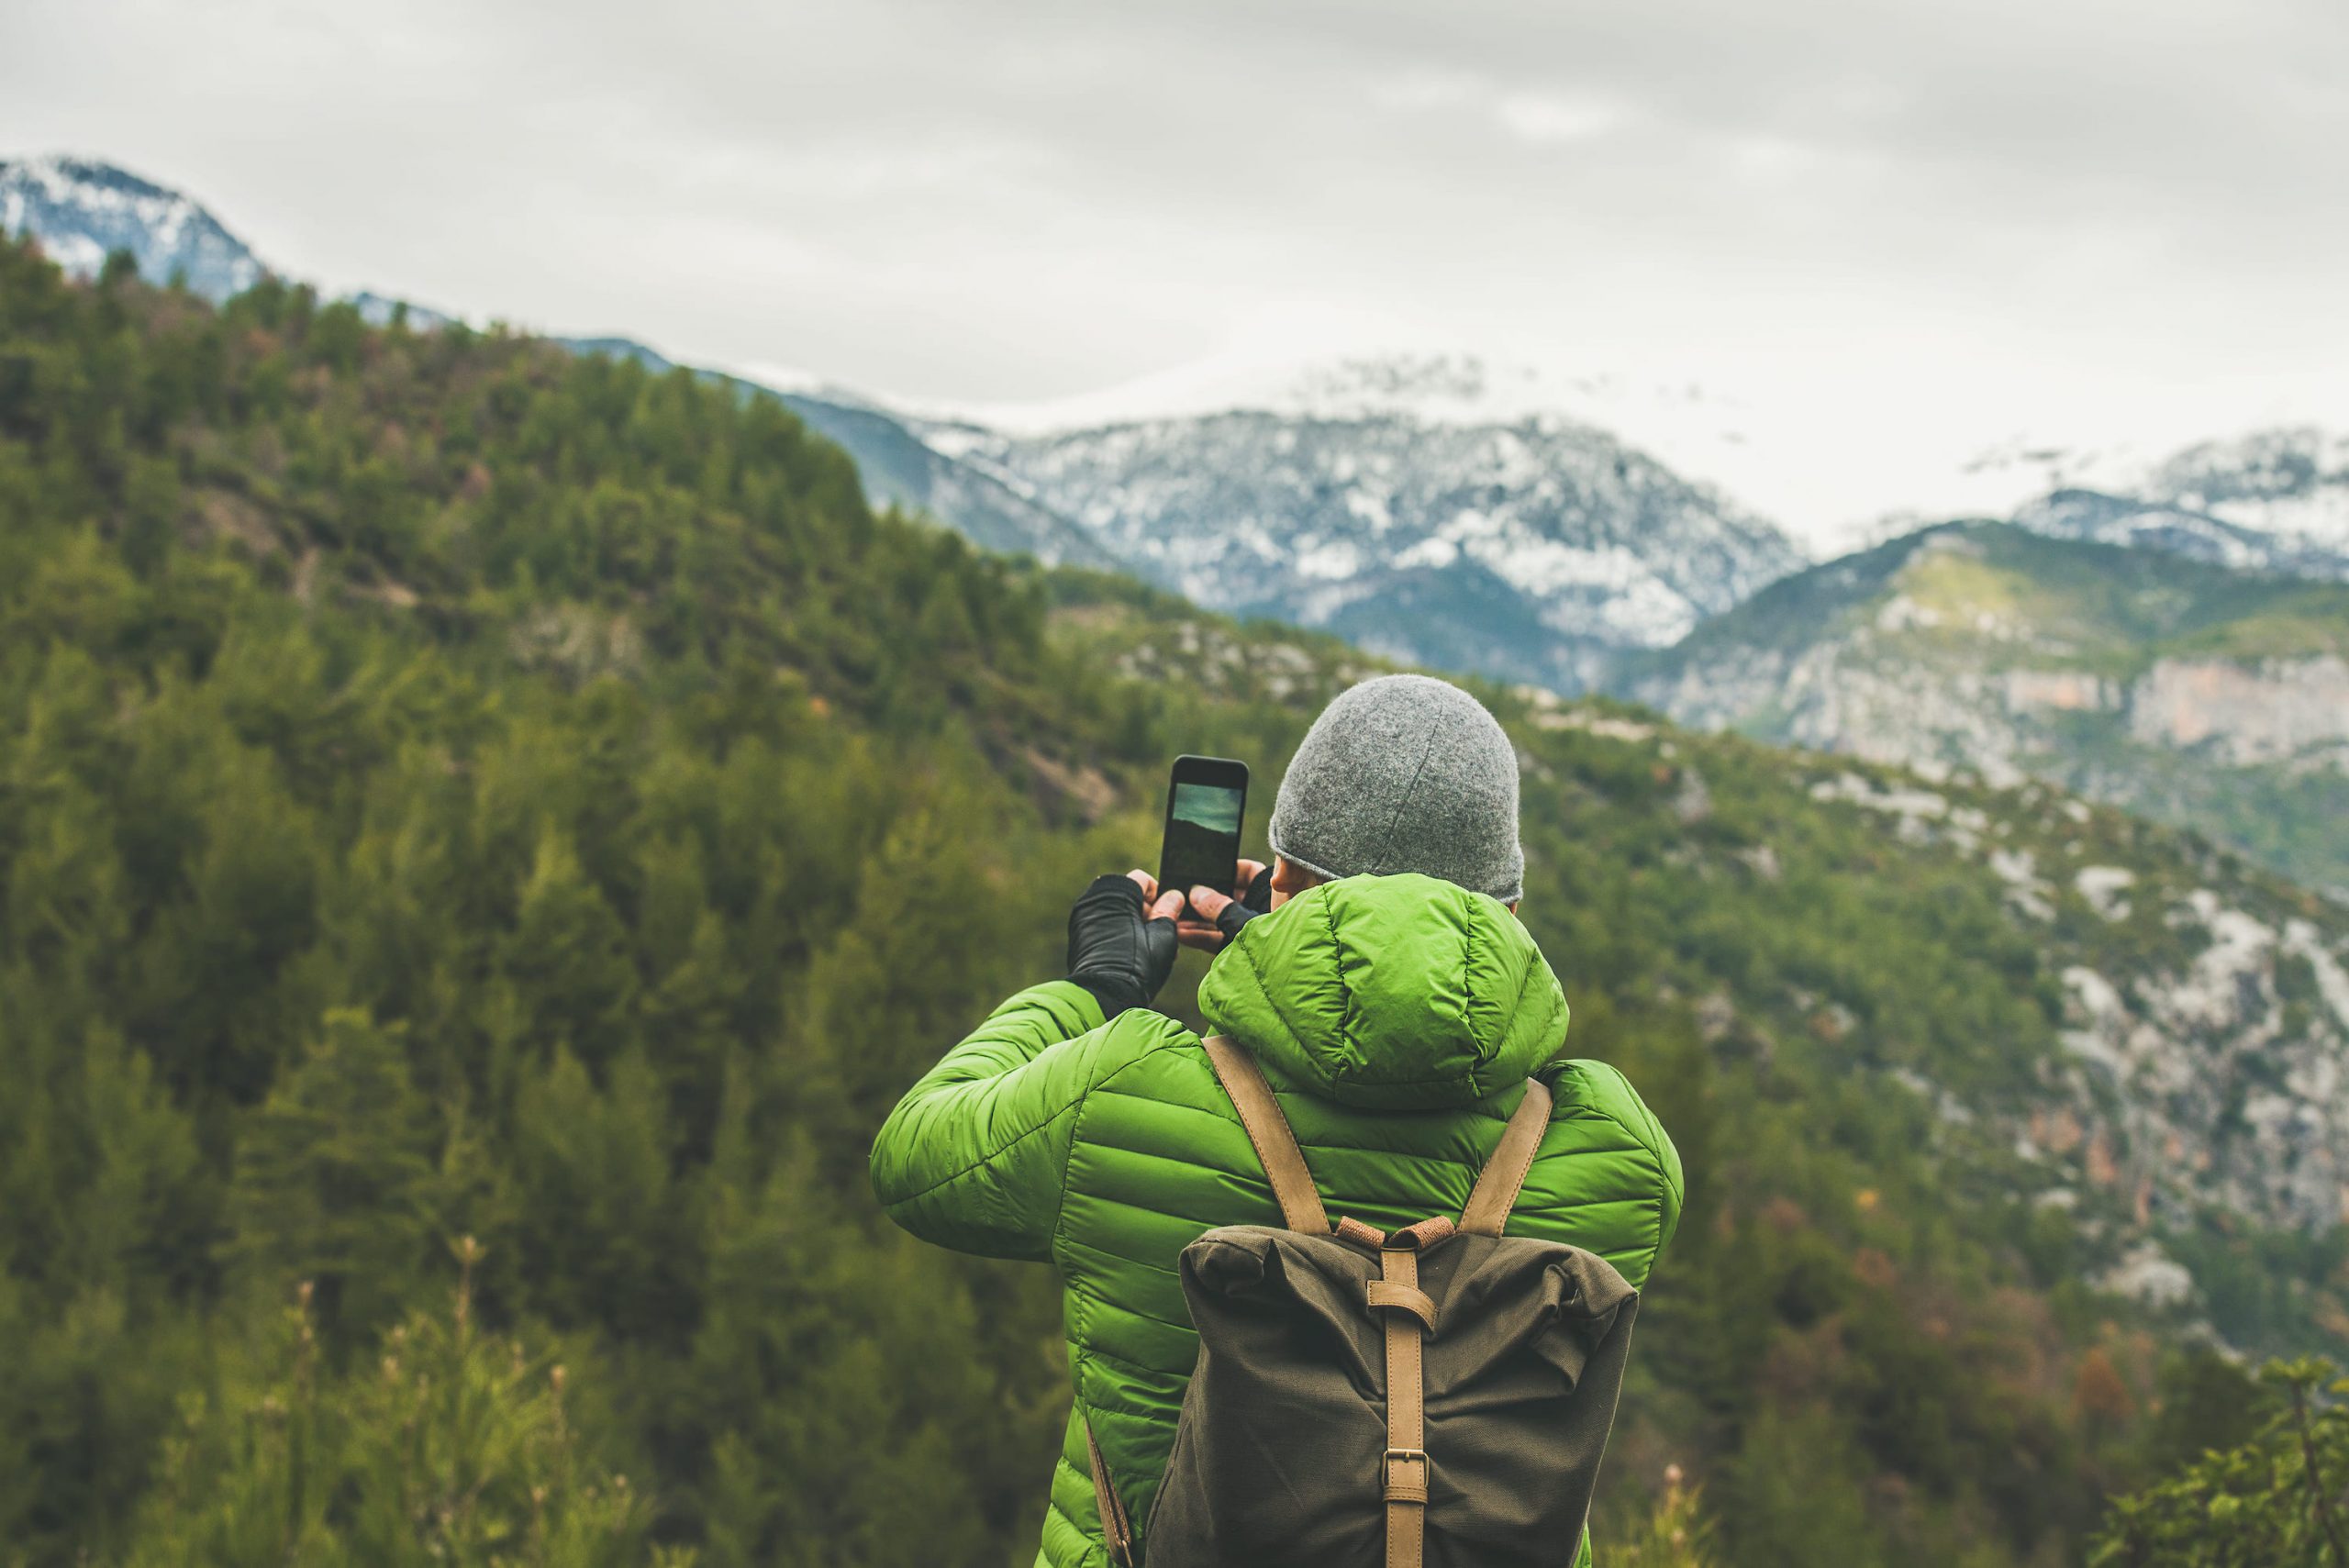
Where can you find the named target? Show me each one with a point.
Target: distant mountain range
(1450, 513)
(2276, 501)
(1479, 535)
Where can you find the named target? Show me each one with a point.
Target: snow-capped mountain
(2293, 482)
(83, 211)
(2272, 501)
(1532, 550)
(1437, 387)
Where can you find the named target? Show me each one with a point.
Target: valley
(475, 816)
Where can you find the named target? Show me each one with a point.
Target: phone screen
(1202, 833)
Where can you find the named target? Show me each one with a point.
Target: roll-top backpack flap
(1522, 1385)
(1502, 1298)
(1253, 1281)
(1286, 1469)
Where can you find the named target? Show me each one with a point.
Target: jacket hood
(1389, 992)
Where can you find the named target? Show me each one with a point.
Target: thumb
(1168, 905)
(1209, 902)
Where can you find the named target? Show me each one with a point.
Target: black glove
(1257, 899)
(1115, 951)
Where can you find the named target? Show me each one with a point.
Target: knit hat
(1403, 774)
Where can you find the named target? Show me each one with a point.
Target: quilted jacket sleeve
(1620, 1176)
(972, 1156)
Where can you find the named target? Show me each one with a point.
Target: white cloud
(1548, 118)
(1426, 88)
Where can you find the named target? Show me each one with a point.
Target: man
(1389, 994)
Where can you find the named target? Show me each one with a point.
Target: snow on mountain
(82, 211)
(2272, 501)
(381, 310)
(1696, 430)
(2292, 481)
(1441, 507)
(1380, 506)
(1435, 387)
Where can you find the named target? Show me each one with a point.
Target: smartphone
(1206, 797)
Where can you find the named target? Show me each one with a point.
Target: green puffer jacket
(1397, 1019)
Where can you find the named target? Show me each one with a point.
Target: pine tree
(334, 1178)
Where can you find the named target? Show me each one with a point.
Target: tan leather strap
(1116, 1530)
(1426, 1234)
(1403, 1469)
(1269, 1130)
(1404, 1298)
(1495, 1193)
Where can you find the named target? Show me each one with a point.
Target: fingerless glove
(1115, 951)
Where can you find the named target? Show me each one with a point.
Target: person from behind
(1376, 978)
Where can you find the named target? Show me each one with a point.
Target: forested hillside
(487, 833)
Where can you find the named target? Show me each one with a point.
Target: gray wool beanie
(1403, 773)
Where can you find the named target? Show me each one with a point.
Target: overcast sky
(1896, 234)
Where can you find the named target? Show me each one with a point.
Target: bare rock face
(2059, 691)
(2274, 711)
(2193, 1082)
(2195, 694)
(2217, 1088)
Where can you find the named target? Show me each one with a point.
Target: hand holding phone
(1206, 799)
(1121, 941)
(1215, 917)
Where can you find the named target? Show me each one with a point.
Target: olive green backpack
(1438, 1396)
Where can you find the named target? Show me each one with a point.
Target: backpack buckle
(1411, 1486)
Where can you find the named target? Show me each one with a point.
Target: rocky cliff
(2213, 698)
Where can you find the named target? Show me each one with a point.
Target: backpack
(1439, 1395)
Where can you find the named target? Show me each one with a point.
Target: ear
(1289, 879)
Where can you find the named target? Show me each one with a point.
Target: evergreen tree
(334, 1182)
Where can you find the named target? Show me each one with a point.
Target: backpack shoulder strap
(1269, 1130)
(1495, 1193)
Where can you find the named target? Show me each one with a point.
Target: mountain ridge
(1530, 552)
(2200, 694)
(84, 209)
